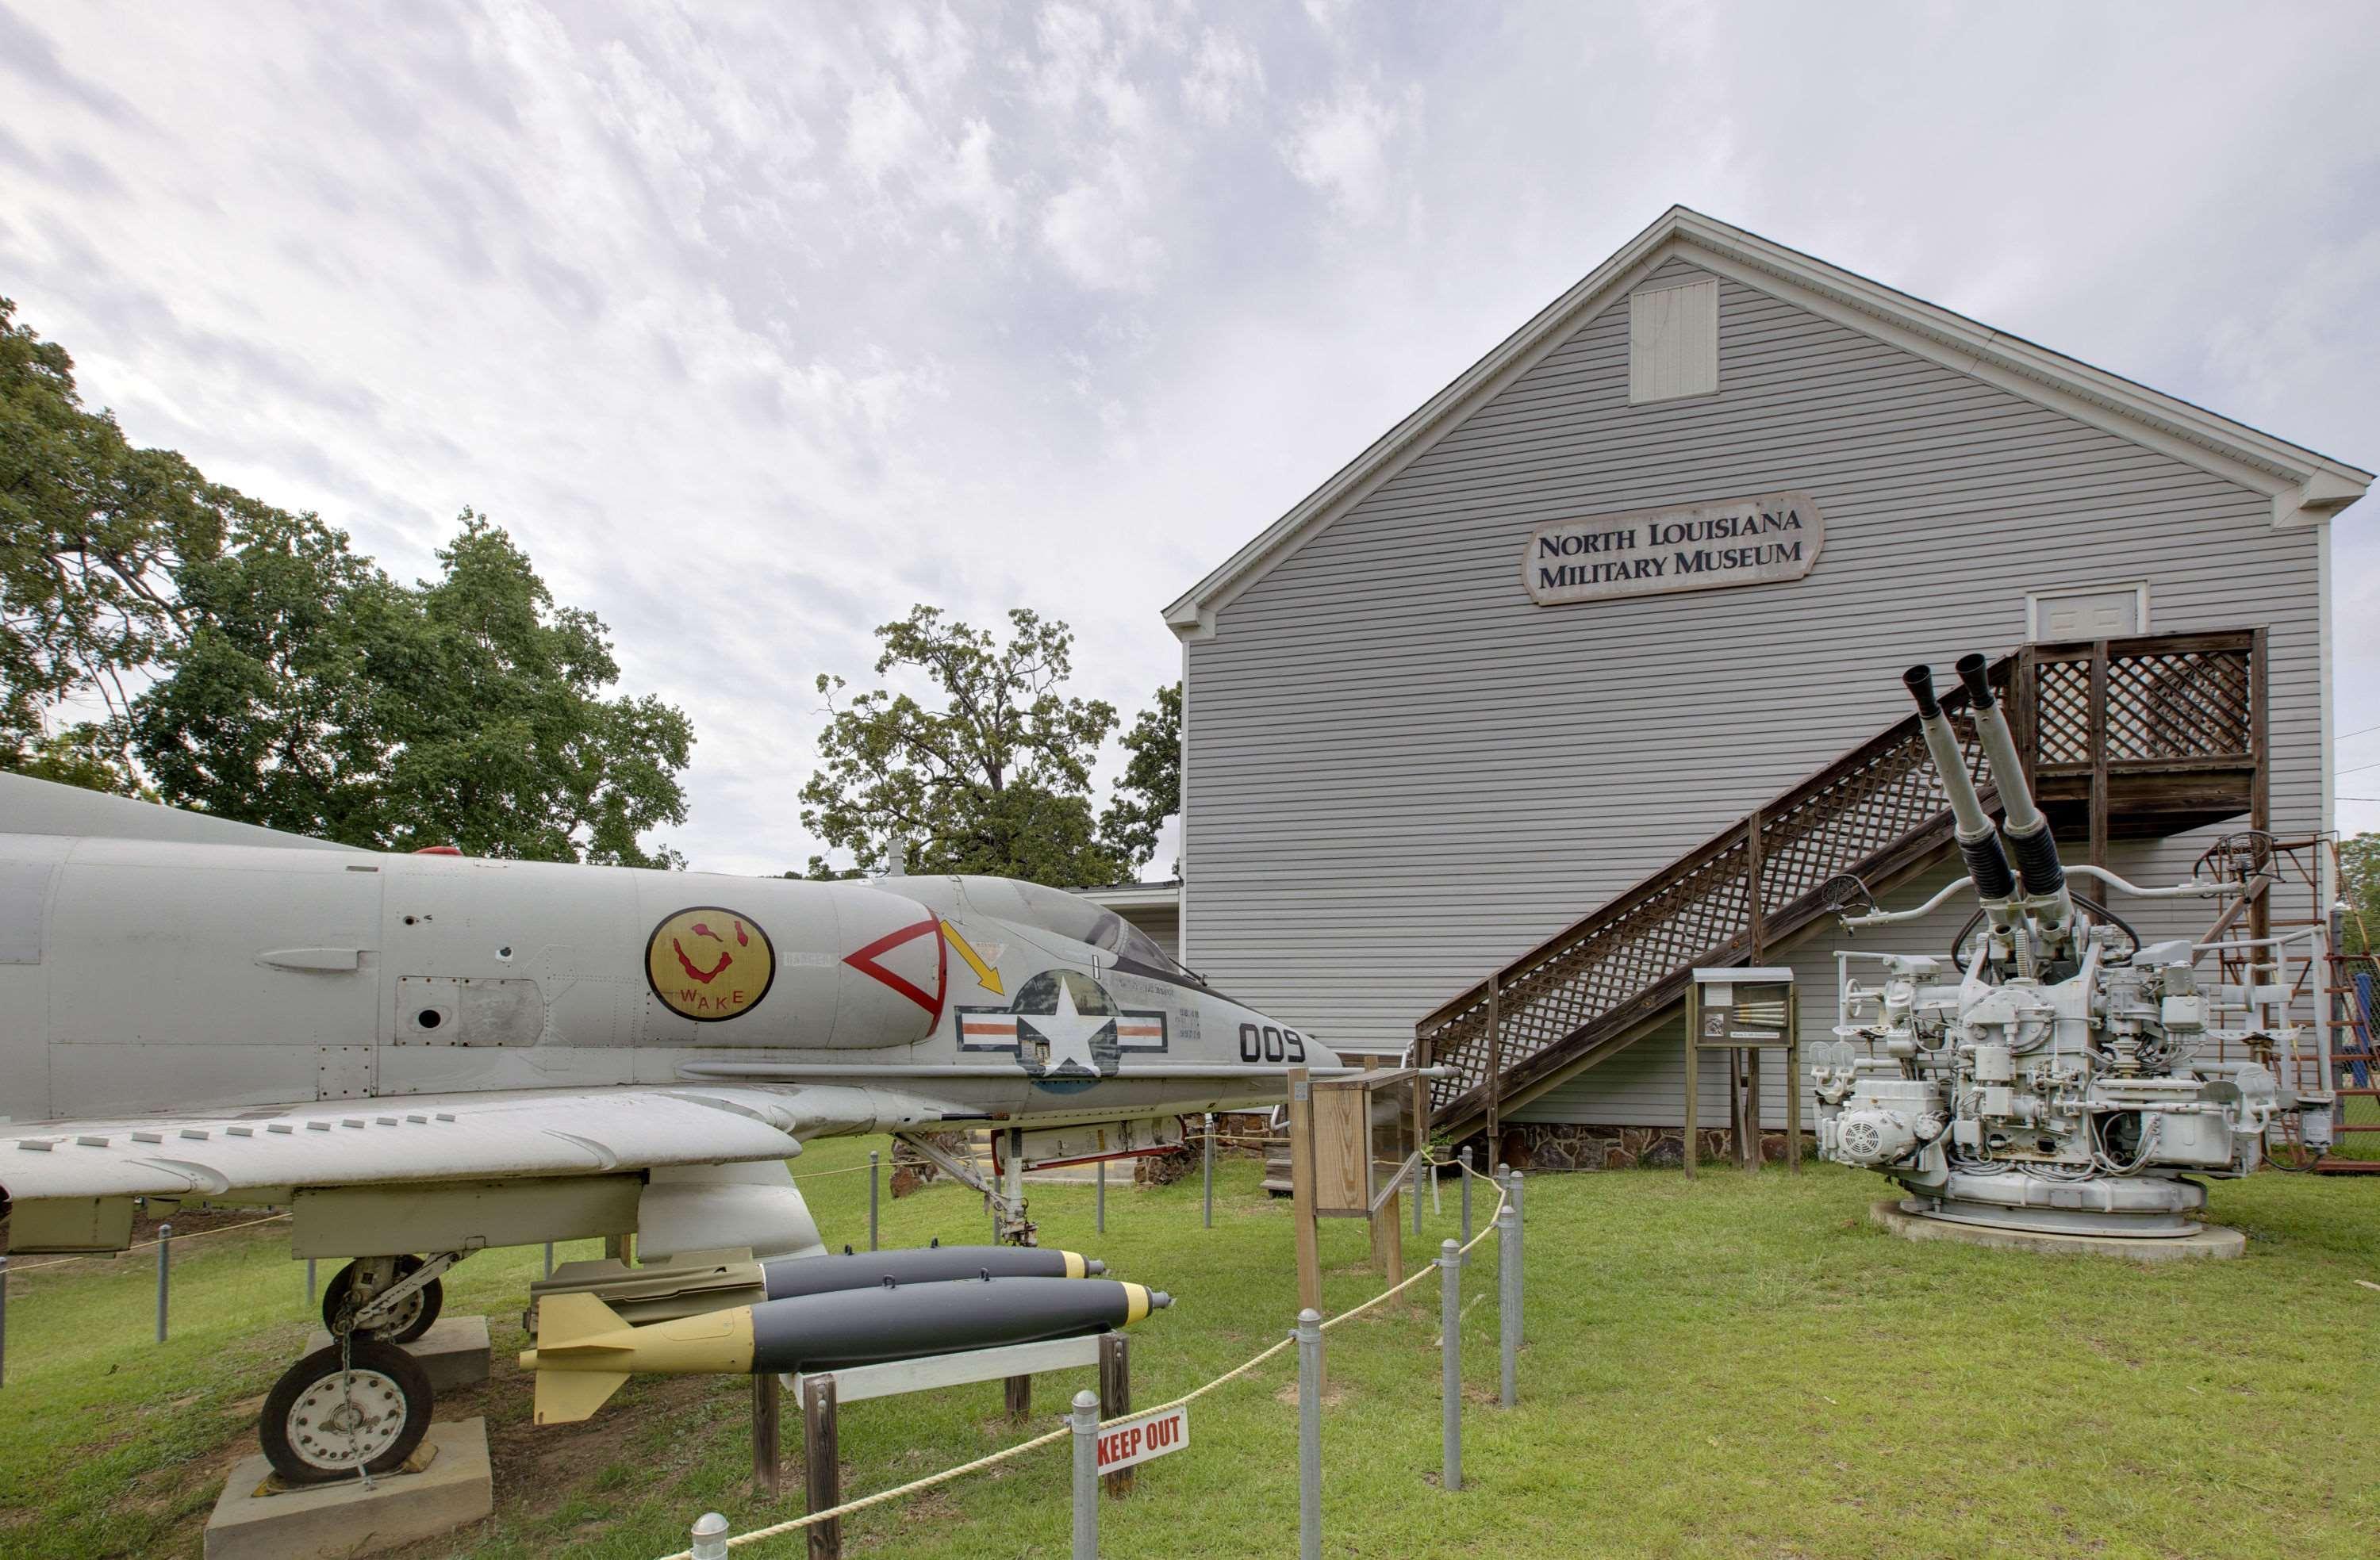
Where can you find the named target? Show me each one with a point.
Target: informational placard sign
(1145, 1437)
(1757, 540)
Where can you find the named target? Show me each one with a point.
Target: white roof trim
(2305, 486)
(1134, 896)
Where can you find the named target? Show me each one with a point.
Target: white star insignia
(1068, 1032)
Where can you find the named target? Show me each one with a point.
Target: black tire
(327, 1415)
(408, 1324)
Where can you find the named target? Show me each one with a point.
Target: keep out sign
(1150, 1435)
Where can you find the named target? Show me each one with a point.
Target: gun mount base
(2207, 1242)
(2149, 1207)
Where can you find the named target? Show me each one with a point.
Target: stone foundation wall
(1236, 1134)
(1238, 1131)
(1539, 1146)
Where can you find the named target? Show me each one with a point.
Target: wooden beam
(1694, 1076)
(1495, 1080)
(821, 1464)
(1752, 864)
(1116, 1397)
(766, 1461)
(2098, 717)
(2260, 783)
(1301, 1183)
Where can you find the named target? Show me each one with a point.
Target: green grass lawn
(1731, 1366)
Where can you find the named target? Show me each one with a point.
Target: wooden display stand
(1353, 1141)
(1744, 1012)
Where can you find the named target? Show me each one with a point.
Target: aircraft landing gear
(363, 1403)
(404, 1316)
(357, 1405)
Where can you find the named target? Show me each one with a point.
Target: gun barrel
(1979, 842)
(2029, 838)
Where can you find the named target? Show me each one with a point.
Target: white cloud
(757, 325)
(1095, 229)
(883, 131)
(1339, 145)
(1224, 79)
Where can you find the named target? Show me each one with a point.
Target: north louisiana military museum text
(1696, 546)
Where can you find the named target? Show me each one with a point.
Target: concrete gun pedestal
(346, 1519)
(2212, 1242)
(452, 1352)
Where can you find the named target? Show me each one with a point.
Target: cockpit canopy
(1030, 904)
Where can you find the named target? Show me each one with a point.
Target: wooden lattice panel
(2162, 705)
(2194, 704)
(2062, 712)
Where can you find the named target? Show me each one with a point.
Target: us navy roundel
(1063, 1026)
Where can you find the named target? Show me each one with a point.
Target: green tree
(92, 531)
(1150, 788)
(85, 753)
(2359, 871)
(316, 694)
(992, 774)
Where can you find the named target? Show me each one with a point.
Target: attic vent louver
(1673, 342)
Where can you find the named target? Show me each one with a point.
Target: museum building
(1588, 672)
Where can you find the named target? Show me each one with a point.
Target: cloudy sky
(757, 324)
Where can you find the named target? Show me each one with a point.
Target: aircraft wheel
(412, 1318)
(328, 1416)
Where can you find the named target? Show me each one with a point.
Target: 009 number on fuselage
(1270, 1042)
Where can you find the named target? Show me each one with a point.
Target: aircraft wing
(434, 1137)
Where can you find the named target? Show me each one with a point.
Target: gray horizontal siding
(1400, 772)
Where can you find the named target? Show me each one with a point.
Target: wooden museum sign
(1755, 540)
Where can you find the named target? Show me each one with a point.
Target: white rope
(193, 1235)
(794, 1524)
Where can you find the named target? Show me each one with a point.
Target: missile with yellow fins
(585, 1350)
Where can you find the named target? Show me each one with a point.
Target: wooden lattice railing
(1878, 812)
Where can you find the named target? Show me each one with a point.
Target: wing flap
(348, 1142)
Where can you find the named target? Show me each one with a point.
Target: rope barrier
(794, 1524)
(845, 1170)
(195, 1235)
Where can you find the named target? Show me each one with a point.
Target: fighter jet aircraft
(421, 1055)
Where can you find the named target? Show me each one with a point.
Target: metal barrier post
(1087, 1475)
(164, 1255)
(1418, 1161)
(1449, 1350)
(873, 1167)
(1309, 1435)
(1210, 1169)
(549, 1270)
(1100, 1206)
(1467, 1194)
(1508, 1298)
(709, 1537)
(1520, 1234)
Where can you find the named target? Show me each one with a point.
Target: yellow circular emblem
(709, 963)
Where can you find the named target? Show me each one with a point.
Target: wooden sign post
(1353, 1142)
(1743, 1012)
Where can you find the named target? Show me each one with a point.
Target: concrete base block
(346, 1519)
(454, 1351)
(2213, 1242)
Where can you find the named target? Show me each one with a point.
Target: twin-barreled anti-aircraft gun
(2050, 1075)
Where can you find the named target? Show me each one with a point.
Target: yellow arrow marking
(984, 973)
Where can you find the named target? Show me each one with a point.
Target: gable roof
(2304, 487)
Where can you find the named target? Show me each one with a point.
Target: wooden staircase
(2124, 737)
